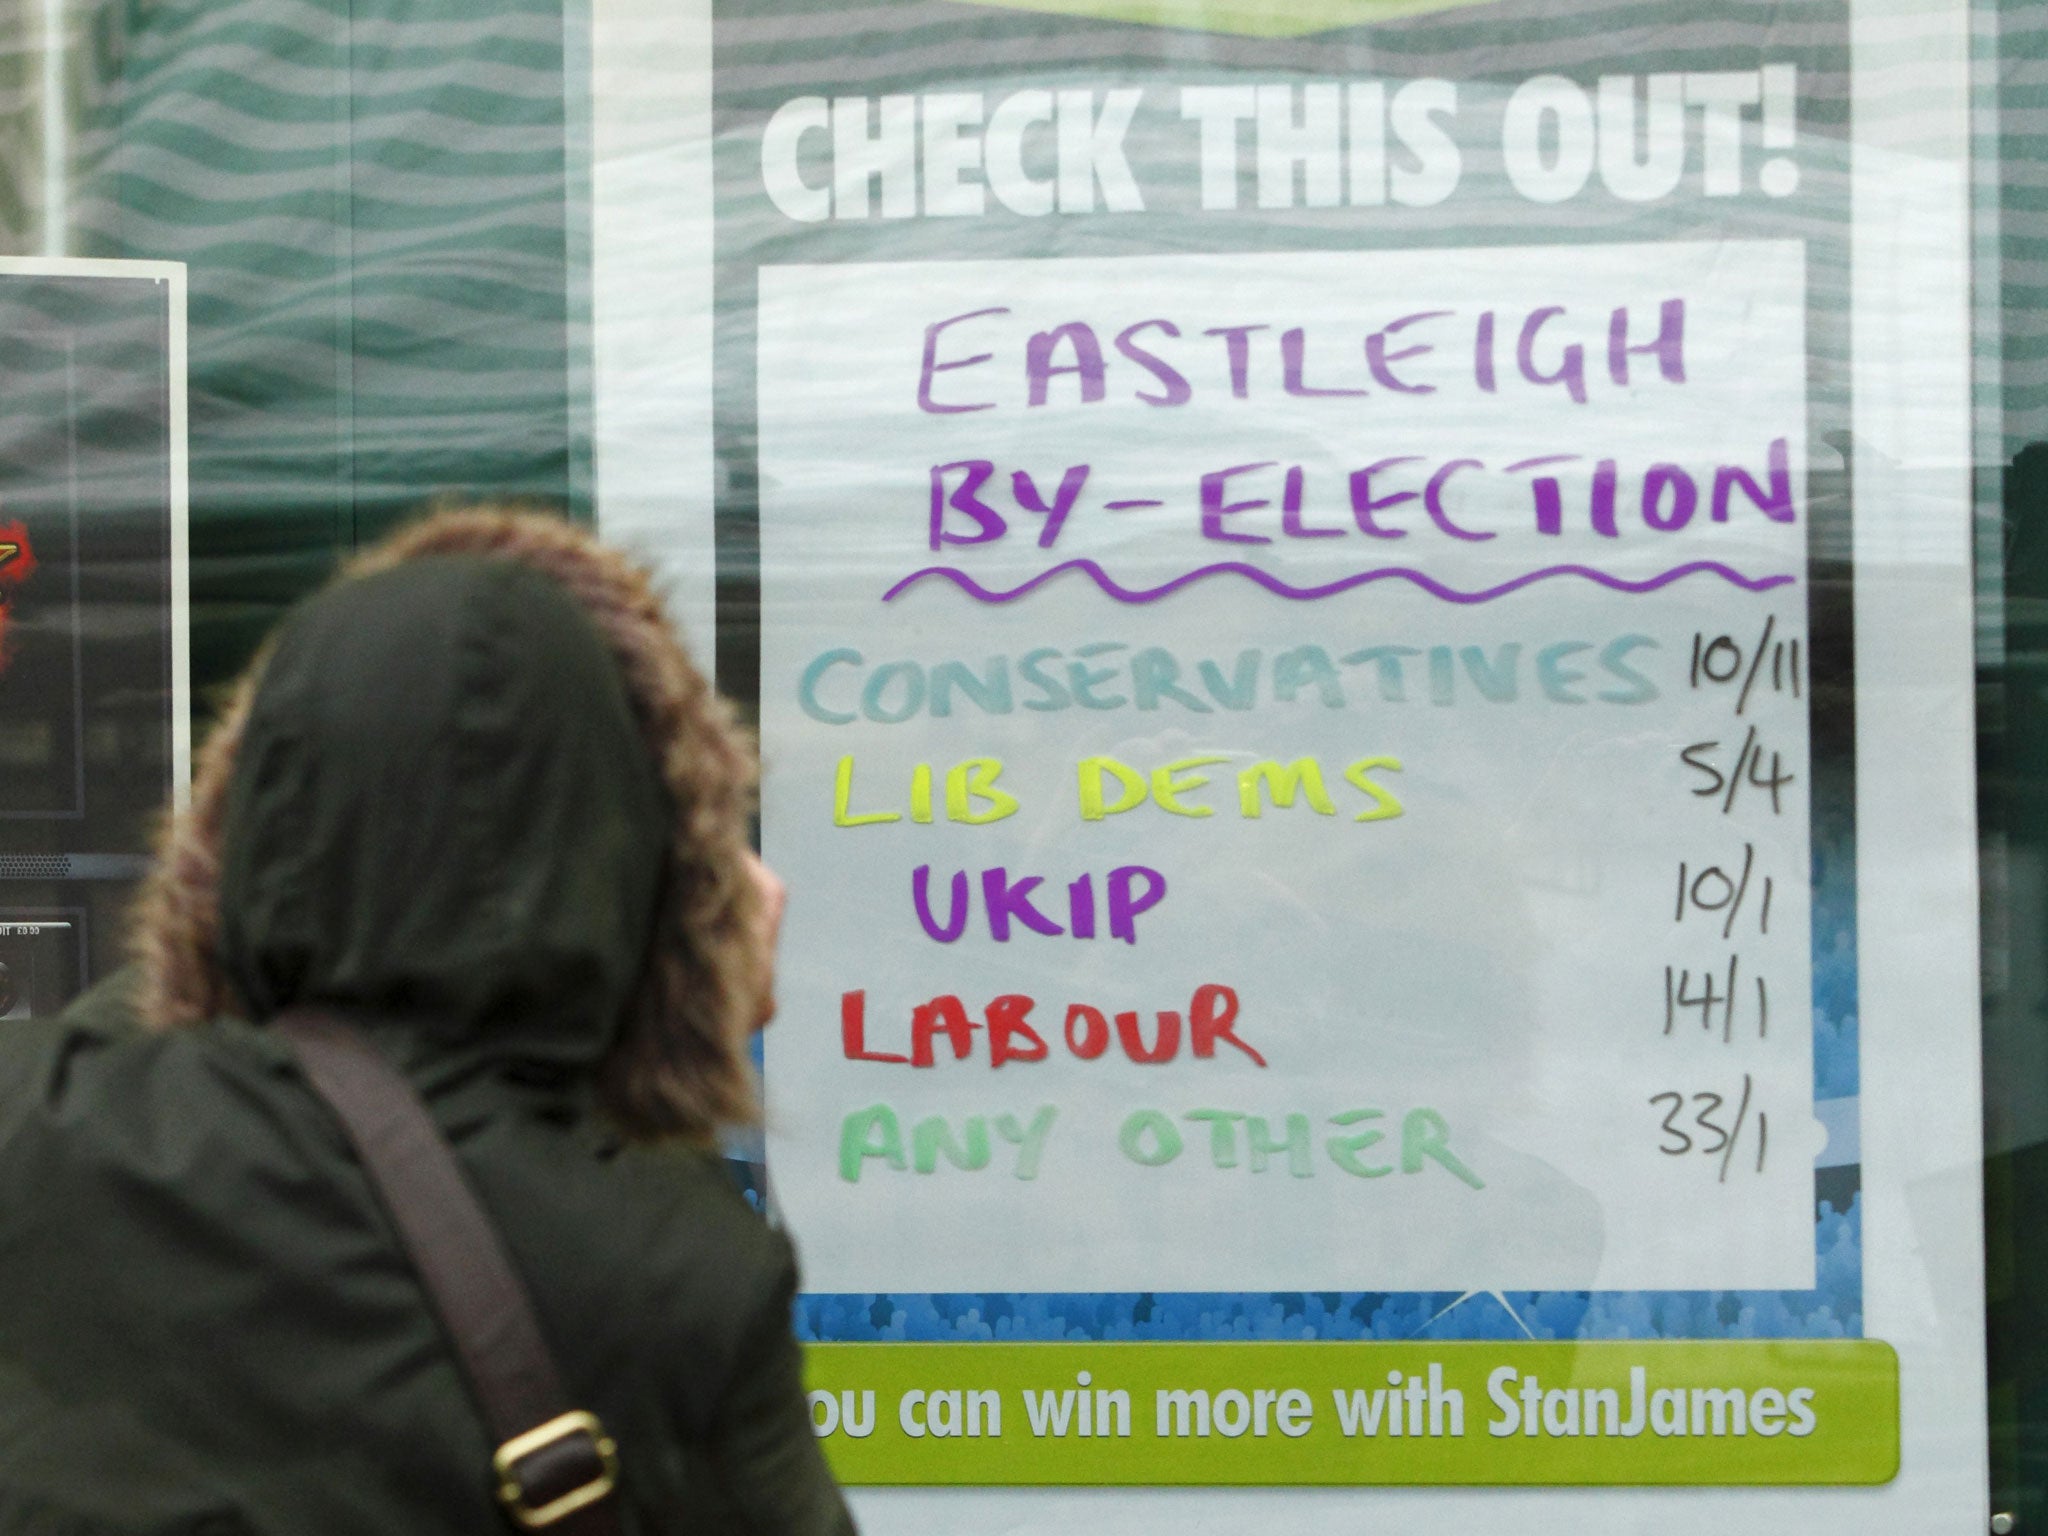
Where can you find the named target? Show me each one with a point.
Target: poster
(1362, 615)
(1332, 884)
(94, 698)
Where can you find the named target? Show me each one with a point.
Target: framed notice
(1363, 632)
(94, 706)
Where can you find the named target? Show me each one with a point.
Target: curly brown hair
(680, 1066)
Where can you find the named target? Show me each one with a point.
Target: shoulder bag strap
(555, 1468)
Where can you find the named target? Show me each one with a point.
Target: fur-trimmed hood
(442, 810)
(477, 787)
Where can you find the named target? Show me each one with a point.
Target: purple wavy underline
(1274, 584)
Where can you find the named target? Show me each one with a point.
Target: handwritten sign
(1299, 767)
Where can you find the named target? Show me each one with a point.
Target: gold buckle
(506, 1460)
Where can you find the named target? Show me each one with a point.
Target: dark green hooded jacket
(442, 818)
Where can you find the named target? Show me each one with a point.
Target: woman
(475, 797)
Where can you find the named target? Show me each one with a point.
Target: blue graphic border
(1832, 1309)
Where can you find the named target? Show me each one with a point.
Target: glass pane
(1394, 643)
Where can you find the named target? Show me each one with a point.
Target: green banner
(1694, 1412)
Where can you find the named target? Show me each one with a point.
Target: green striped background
(370, 196)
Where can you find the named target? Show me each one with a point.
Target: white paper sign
(1335, 725)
